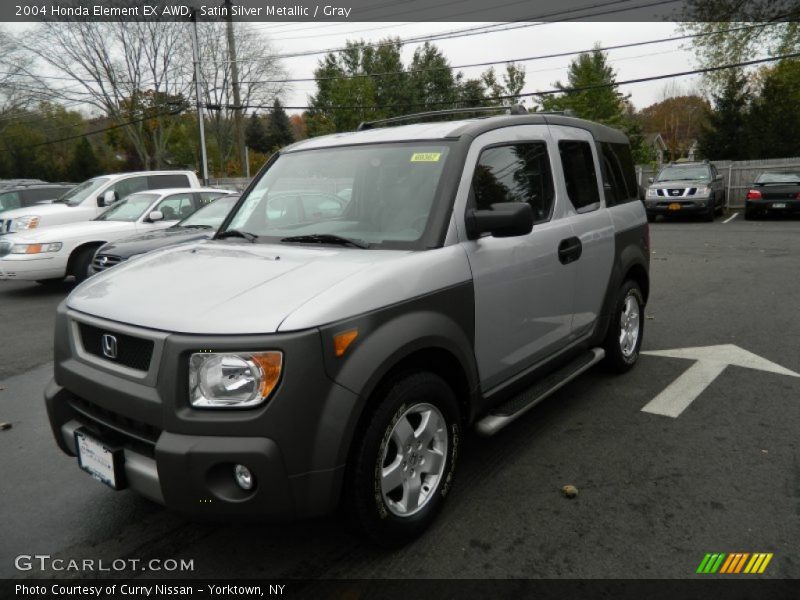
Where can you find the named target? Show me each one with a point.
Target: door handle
(569, 250)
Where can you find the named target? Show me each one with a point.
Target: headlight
(652, 193)
(233, 380)
(703, 190)
(35, 248)
(24, 223)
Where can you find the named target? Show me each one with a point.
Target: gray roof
(440, 130)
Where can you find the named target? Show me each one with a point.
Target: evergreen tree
(279, 129)
(84, 163)
(255, 135)
(773, 122)
(724, 137)
(602, 104)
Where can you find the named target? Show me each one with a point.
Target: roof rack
(516, 109)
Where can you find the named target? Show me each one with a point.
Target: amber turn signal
(342, 341)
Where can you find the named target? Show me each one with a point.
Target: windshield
(79, 193)
(375, 194)
(9, 200)
(778, 178)
(212, 215)
(130, 209)
(685, 174)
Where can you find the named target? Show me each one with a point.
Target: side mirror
(107, 199)
(718, 177)
(504, 219)
(155, 216)
(651, 179)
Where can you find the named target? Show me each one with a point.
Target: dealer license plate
(99, 460)
(779, 205)
(674, 206)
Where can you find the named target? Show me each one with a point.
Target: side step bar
(517, 406)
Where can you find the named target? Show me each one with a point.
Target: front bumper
(665, 206)
(295, 445)
(31, 269)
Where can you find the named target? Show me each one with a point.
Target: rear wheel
(626, 330)
(749, 214)
(402, 465)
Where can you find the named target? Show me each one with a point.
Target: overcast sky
(544, 38)
(629, 63)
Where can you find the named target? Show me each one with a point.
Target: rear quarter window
(619, 173)
(158, 182)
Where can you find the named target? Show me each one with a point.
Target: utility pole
(237, 98)
(197, 87)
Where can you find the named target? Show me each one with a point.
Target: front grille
(106, 423)
(102, 262)
(131, 352)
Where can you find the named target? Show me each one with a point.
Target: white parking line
(731, 218)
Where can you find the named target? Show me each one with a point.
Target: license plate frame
(674, 206)
(103, 461)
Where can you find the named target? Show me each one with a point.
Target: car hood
(224, 287)
(38, 210)
(678, 184)
(70, 231)
(153, 240)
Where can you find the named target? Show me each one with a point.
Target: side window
(39, 194)
(161, 182)
(9, 200)
(579, 173)
(131, 185)
(177, 206)
(515, 173)
(619, 173)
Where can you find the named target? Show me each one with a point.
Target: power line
(104, 129)
(498, 27)
(511, 60)
(553, 91)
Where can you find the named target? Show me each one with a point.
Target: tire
(380, 505)
(82, 263)
(712, 212)
(651, 218)
(621, 355)
(50, 282)
(749, 214)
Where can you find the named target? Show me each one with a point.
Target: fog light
(244, 478)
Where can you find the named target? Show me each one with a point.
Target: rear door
(523, 292)
(592, 226)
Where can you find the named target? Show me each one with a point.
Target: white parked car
(89, 199)
(57, 252)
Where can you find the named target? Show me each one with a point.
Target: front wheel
(402, 466)
(626, 330)
(82, 264)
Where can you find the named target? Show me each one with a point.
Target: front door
(524, 289)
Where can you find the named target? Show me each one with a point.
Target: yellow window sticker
(426, 157)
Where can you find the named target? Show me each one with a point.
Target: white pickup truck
(89, 199)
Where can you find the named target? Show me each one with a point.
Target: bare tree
(133, 72)
(258, 72)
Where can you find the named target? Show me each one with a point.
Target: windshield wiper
(325, 238)
(250, 237)
(196, 227)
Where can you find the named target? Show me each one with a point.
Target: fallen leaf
(569, 491)
(4, 425)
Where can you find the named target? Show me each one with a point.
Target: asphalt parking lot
(656, 492)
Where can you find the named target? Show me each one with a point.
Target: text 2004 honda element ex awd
(370, 296)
